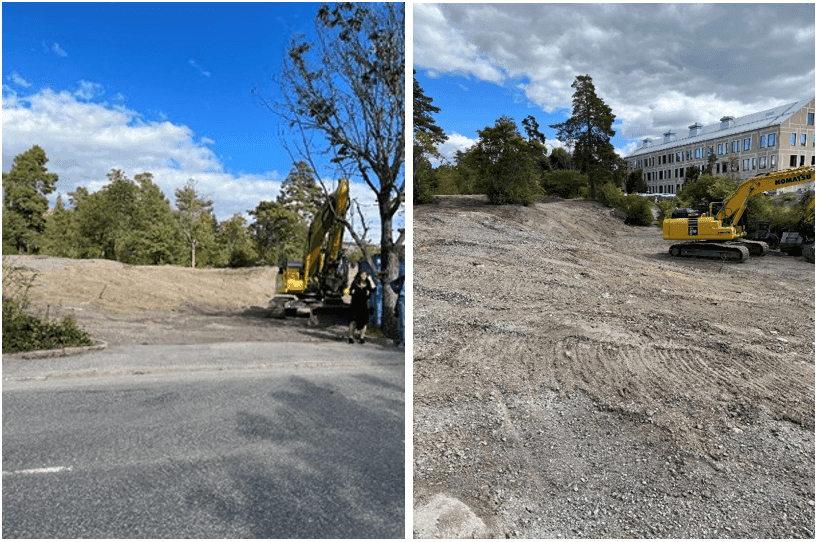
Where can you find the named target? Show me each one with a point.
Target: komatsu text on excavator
(719, 233)
(322, 276)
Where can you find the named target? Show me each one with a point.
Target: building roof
(754, 121)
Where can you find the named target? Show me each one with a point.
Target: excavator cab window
(685, 213)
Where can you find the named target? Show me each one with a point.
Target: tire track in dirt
(585, 346)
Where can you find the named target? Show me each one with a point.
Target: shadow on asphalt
(336, 467)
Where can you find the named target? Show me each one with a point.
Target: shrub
(24, 332)
(638, 210)
(666, 207)
(565, 183)
(610, 195)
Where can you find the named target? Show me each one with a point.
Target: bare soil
(121, 304)
(572, 379)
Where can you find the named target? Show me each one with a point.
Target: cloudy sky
(658, 66)
(157, 87)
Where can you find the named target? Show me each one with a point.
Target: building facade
(772, 140)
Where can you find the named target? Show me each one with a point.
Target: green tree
(194, 216)
(711, 162)
(348, 86)
(25, 188)
(635, 182)
(130, 221)
(506, 162)
(426, 136)
(60, 234)
(706, 189)
(422, 110)
(560, 158)
(235, 243)
(277, 232)
(589, 130)
(638, 210)
(564, 183)
(302, 193)
(692, 174)
(531, 126)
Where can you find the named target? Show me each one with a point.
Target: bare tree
(343, 99)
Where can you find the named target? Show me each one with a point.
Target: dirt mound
(554, 345)
(122, 288)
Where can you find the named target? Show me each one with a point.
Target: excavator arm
(734, 207)
(297, 281)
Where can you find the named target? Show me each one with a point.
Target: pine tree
(588, 130)
(194, 216)
(300, 192)
(24, 201)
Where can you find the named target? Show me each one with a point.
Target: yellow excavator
(318, 282)
(719, 232)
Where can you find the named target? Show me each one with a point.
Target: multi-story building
(771, 140)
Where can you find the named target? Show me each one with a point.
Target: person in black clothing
(360, 291)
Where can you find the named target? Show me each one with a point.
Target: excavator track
(755, 248)
(734, 252)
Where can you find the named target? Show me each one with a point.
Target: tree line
(132, 221)
(514, 166)
(511, 166)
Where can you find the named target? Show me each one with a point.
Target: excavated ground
(571, 379)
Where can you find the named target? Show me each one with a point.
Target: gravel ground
(571, 379)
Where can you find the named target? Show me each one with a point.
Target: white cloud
(455, 142)
(84, 141)
(59, 50)
(199, 68)
(18, 79)
(655, 65)
(88, 90)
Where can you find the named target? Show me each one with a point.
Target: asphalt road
(309, 446)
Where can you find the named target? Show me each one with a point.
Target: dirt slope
(124, 304)
(572, 379)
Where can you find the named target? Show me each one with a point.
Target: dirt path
(572, 379)
(123, 304)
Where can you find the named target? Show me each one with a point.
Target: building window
(761, 162)
(771, 140)
(745, 165)
(801, 160)
(762, 140)
(773, 161)
(810, 119)
(793, 140)
(719, 149)
(746, 144)
(753, 163)
(804, 139)
(793, 160)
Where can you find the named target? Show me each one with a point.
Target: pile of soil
(121, 304)
(572, 379)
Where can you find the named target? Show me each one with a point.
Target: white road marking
(37, 471)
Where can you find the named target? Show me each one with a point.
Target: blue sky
(658, 66)
(158, 87)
